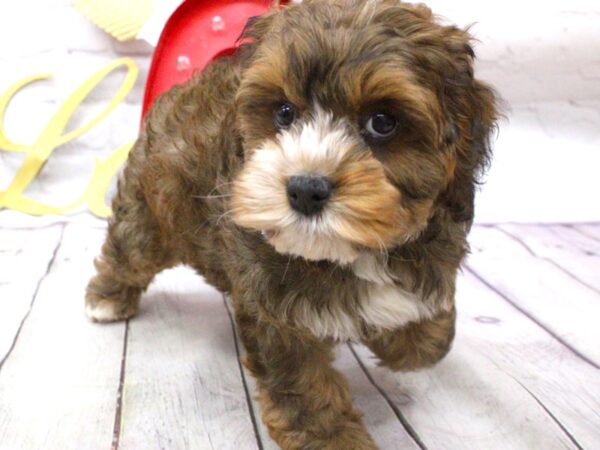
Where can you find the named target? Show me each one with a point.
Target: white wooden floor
(524, 372)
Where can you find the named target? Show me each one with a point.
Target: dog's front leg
(306, 404)
(416, 345)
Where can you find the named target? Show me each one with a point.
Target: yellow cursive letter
(51, 137)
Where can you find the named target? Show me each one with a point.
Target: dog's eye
(284, 115)
(381, 125)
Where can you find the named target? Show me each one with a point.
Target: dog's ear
(470, 108)
(257, 26)
(472, 111)
(254, 32)
(443, 57)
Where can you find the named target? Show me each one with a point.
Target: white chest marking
(388, 306)
(382, 305)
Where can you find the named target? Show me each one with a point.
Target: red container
(197, 32)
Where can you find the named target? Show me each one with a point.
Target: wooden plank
(556, 245)
(567, 309)
(266, 442)
(591, 230)
(379, 417)
(58, 387)
(183, 387)
(25, 256)
(468, 401)
(574, 238)
(558, 237)
(263, 433)
(567, 386)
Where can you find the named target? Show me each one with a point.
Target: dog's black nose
(308, 194)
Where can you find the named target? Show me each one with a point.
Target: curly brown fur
(417, 345)
(206, 183)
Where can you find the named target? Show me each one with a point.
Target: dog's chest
(379, 304)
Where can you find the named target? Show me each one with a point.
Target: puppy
(323, 177)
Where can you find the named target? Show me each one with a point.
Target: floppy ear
(254, 32)
(470, 108)
(473, 112)
(442, 58)
(257, 26)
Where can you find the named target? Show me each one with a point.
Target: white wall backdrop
(543, 57)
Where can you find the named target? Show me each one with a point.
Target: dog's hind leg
(132, 254)
(416, 345)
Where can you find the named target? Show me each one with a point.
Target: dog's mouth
(268, 234)
(311, 241)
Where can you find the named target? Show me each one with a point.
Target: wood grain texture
(58, 387)
(522, 373)
(566, 308)
(25, 257)
(567, 386)
(183, 388)
(570, 235)
(468, 402)
(379, 418)
(264, 439)
(590, 230)
(577, 254)
(263, 433)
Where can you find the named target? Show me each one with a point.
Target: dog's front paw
(330, 428)
(352, 436)
(347, 436)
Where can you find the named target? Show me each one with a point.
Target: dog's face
(359, 119)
